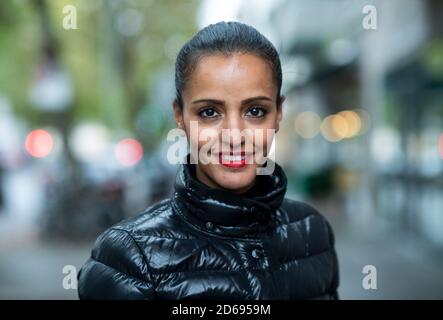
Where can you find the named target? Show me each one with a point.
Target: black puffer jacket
(210, 244)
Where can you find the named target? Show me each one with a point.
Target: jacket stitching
(209, 270)
(145, 260)
(135, 279)
(138, 233)
(241, 269)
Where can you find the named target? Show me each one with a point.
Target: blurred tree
(112, 57)
(112, 62)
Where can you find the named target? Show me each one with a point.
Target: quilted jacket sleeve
(117, 269)
(333, 291)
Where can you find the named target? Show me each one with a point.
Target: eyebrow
(245, 101)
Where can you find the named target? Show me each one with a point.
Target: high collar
(226, 213)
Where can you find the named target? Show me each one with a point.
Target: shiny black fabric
(205, 243)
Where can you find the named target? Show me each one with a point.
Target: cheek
(204, 143)
(263, 137)
(207, 136)
(198, 134)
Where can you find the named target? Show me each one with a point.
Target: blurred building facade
(390, 74)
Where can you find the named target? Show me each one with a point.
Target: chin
(233, 180)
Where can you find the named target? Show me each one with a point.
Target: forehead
(238, 75)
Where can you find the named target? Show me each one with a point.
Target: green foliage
(111, 71)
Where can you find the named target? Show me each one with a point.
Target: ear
(279, 113)
(178, 115)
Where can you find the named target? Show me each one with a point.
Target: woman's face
(235, 94)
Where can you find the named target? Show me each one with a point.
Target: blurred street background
(86, 88)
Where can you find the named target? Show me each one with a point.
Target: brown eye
(208, 113)
(256, 112)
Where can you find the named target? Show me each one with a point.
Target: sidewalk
(406, 268)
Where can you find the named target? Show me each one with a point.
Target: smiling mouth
(238, 160)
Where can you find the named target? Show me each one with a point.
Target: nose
(232, 138)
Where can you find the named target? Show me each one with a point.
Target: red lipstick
(237, 160)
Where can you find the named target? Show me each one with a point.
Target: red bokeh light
(128, 152)
(39, 143)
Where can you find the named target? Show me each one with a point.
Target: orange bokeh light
(39, 143)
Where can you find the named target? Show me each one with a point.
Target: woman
(227, 232)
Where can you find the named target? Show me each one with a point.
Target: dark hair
(224, 38)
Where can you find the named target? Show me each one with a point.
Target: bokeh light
(128, 152)
(39, 143)
(345, 124)
(353, 122)
(307, 124)
(90, 142)
(334, 128)
(340, 126)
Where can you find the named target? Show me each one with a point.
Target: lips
(237, 160)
